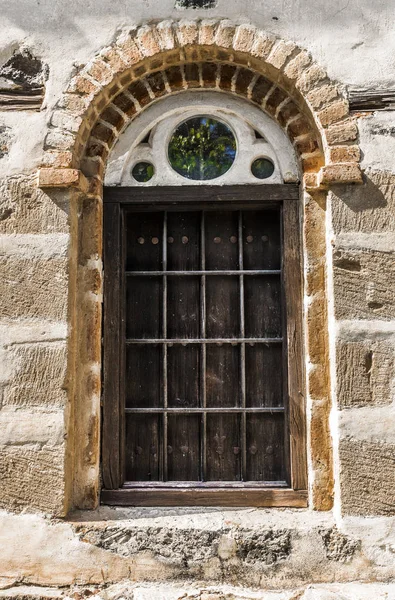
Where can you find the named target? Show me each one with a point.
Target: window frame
(114, 491)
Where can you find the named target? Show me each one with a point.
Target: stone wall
(50, 257)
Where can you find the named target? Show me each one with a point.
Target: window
(203, 391)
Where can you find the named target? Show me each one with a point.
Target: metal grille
(154, 291)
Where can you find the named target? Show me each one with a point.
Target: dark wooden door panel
(142, 456)
(143, 237)
(261, 239)
(143, 307)
(222, 305)
(267, 389)
(183, 376)
(265, 447)
(223, 447)
(183, 448)
(143, 376)
(223, 376)
(221, 235)
(183, 241)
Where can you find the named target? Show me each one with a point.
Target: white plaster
(381, 242)
(365, 330)
(377, 141)
(27, 332)
(34, 246)
(22, 426)
(369, 423)
(162, 117)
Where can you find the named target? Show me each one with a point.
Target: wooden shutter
(202, 353)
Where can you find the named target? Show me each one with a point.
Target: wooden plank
(183, 447)
(111, 347)
(206, 497)
(183, 241)
(368, 100)
(202, 194)
(295, 352)
(262, 306)
(222, 307)
(261, 239)
(223, 447)
(265, 447)
(143, 449)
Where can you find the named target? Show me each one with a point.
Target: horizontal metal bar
(184, 342)
(179, 273)
(260, 409)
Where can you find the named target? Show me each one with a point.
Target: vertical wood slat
(242, 356)
(203, 349)
(112, 344)
(164, 474)
(294, 310)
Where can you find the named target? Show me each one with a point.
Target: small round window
(202, 148)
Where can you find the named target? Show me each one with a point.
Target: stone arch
(153, 61)
(140, 67)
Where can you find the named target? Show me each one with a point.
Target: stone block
(26, 209)
(340, 174)
(280, 53)
(38, 375)
(34, 288)
(31, 427)
(367, 208)
(364, 372)
(364, 284)
(322, 95)
(344, 132)
(297, 65)
(344, 154)
(32, 477)
(333, 113)
(367, 478)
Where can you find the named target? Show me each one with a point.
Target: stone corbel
(62, 179)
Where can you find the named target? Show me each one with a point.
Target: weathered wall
(186, 551)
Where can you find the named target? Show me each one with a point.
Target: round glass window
(202, 148)
(143, 171)
(262, 168)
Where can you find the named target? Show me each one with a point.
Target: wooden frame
(118, 492)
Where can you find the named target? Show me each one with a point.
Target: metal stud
(217, 240)
(141, 240)
(184, 239)
(233, 239)
(249, 238)
(155, 240)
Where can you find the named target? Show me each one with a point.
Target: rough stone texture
(364, 284)
(338, 546)
(187, 547)
(367, 477)
(32, 476)
(34, 288)
(26, 209)
(22, 81)
(5, 140)
(367, 208)
(38, 376)
(365, 373)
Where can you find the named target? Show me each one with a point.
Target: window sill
(205, 496)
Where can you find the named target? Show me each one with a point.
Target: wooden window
(203, 392)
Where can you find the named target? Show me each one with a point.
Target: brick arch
(155, 60)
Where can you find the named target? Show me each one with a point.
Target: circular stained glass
(262, 168)
(202, 148)
(143, 171)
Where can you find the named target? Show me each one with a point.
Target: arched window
(203, 393)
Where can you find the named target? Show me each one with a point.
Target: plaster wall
(196, 553)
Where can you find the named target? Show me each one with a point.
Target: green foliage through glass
(143, 171)
(202, 148)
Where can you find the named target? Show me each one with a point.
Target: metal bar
(186, 341)
(232, 485)
(164, 346)
(260, 409)
(242, 356)
(203, 445)
(202, 272)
